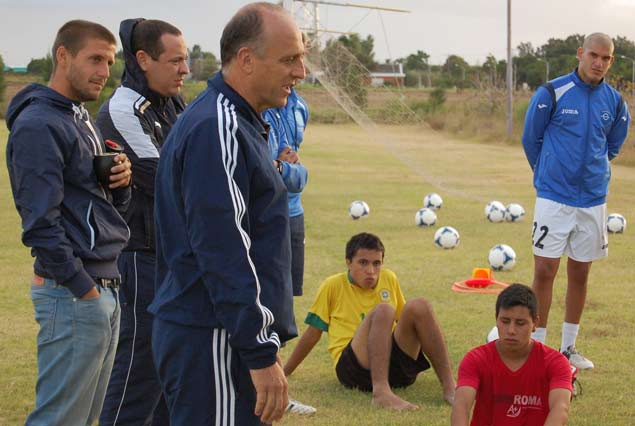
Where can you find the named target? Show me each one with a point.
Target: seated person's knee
(383, 310)
(419, 306)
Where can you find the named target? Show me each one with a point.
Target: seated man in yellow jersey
(377, 341)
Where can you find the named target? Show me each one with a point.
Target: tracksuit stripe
(134, 339)
(224, 385)
(227, 128)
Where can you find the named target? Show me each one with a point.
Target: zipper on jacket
(586, 145)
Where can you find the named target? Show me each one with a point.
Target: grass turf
(392, 172)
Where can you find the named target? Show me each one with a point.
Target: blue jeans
(75, 351)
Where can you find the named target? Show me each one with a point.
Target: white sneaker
(296, 407)
(576, 359)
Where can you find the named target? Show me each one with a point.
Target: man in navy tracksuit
(223, 302)
(574, 126)
(72, 223)
(139, 115)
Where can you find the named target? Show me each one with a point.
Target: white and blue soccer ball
(615, 223)
(495, 211)
(433, 201)
(502, 257)
(492, 335)
(425, 217)
(514, 212)
(358, 209)
(446, 237)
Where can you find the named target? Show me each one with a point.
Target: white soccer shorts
(578, 232)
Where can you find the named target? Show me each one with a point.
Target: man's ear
(143, 59)
(535, 325)
(579, 53)
(62, 56)
(245, 59)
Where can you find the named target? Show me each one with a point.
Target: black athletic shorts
(402, 370)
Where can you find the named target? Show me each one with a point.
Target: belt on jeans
(108, 282)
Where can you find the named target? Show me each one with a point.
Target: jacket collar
(578, 81)
(218, 83)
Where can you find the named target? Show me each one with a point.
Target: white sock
(540, 334)
(569, 334)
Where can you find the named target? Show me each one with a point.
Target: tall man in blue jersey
(223, 303)
(286, 135)
(574, 126)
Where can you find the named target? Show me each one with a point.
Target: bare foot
(393, 402)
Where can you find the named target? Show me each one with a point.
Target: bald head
(249, 28)
(595, 58)
(598, 39)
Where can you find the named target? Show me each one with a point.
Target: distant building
(387, 75)
(17, 70)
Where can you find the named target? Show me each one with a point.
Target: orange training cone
(481, 282)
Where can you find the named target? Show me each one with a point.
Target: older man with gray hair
(223, 303)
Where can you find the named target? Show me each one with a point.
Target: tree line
(202, 66)
(532, 66)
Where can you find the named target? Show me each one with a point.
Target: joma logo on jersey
(569, 111)
(526, 400)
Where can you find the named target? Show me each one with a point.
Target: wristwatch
(278, 165)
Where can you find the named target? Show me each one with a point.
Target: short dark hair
(146, 36)
(244, 29)
(73, 35)
(366, 241)
(517, 295)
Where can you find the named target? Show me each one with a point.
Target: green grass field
(347, 164)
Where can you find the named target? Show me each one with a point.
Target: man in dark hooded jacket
(139, 115)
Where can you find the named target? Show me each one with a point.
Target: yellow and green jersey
(340, 307)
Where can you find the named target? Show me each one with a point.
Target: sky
(472, 29)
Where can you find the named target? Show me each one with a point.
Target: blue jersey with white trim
(569, 144)
(223, 248)
(287, 130)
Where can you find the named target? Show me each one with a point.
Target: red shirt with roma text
(511, 398)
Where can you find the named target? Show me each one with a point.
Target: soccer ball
(502, 257)
(446, 237)
(616, 223)
(358, 209)
(433, 201)
(495, 211)
(425, 217)
(492, 335)
(514, 212)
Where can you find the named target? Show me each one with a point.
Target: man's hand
(121, 173)
(289, 156)
(271, 392)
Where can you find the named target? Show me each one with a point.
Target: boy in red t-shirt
(514, 380)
